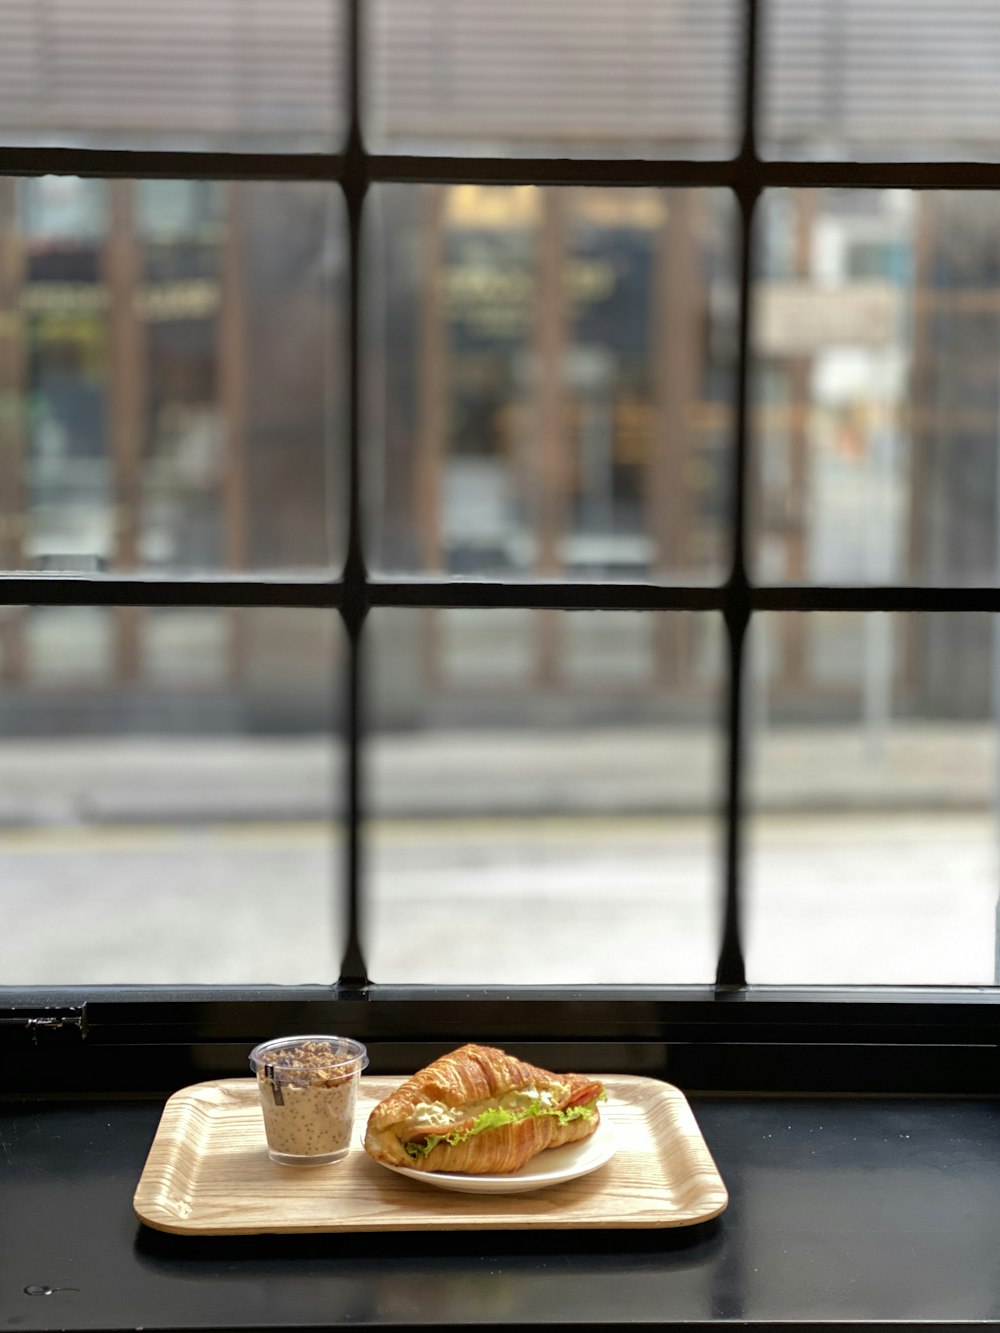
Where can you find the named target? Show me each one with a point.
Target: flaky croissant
(480, 1111)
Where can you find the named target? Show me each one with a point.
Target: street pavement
(653, 769)
(843, 898)
(503, 858)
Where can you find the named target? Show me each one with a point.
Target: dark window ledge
(127, 1041)
(858, 1133)
(842, 1209)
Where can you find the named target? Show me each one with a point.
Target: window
(617, 413)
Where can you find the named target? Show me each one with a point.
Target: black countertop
(841, 1209)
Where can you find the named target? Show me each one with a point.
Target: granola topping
(311, 1064)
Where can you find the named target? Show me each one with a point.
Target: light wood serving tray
(208, 1173)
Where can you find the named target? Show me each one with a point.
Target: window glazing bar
(745, 169)
(355, 602)
(731, 967)
(354, 596)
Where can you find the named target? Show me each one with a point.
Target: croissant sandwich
(479, 1111)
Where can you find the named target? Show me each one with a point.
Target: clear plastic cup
(308, 1089)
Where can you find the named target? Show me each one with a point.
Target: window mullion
(731, 970)
(353, 970)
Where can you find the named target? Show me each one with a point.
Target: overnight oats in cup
(308, 1087)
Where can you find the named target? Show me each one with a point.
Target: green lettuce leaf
(495, 1116)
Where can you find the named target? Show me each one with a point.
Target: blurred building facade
(550, 385)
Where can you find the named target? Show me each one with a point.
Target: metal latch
(35, 1021)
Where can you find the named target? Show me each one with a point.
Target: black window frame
(728, 1035)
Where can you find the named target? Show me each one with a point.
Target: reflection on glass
(614, 649)
(553, 827)
(181, 228)
(551, 381)
(609, 289)
(68, 483)
(176, 828)
(68, 645)
(60, 212)
(167, 375)
(876, 79)
(473, 648)
(57, 353)
(186, 647)
(872, 848)
(878, 389)
(541, 76)
(238, 75)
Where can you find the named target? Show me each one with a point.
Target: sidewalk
(465, 774)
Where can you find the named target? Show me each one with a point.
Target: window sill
(841, 1209)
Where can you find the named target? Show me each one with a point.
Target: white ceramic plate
(551, 1167)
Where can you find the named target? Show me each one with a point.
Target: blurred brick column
(13, 428)
(126, 416)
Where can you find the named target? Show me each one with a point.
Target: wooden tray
(208, 1173)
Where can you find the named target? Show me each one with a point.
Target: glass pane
(554, 826)
(482, 646)
(551, 381)
(68, 645)
(878, 387)
(187, 647)
(615, 650)
(880, 79)
(564, 77)
(872, 848)
(167, 781)
(168, 379)
(231, 75)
